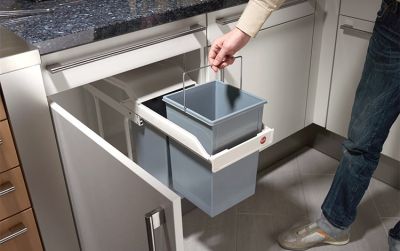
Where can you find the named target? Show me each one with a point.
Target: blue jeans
(375, 109)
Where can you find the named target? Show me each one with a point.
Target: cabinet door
(110, 194)
(276, 67)
(351, 50)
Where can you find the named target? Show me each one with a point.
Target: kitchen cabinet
(18, 230)
(105, 180)
(351, 48)
(276, 64)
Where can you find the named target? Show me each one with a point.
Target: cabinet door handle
(14, 232)
(349, 29)
(58, 68)
(233, 19)
(154, 220)
(6, 188)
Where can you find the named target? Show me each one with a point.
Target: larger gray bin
(220, 116)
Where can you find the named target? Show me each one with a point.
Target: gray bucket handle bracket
(222, 73)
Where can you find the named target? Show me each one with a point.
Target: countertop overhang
(72, 23)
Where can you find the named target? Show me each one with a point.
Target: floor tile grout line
(264, 214)
(377, 210)
(302, 188)
(236, 228)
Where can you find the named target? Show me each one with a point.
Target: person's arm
(256, 13)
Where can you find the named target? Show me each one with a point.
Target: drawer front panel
(3, 114)
(222, 21)
(79, 66)
(20, 233)
(104, 183)
(360, 9)
(8, 154)
(13, 195)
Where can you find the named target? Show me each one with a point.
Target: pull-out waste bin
(213, 178)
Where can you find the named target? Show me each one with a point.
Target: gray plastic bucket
(151, 146)
(219, 115)
(212, 192)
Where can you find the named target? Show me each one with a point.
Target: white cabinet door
(276, 67)
(111, 195)
(351, 50)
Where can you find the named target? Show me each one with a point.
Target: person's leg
(376, 107)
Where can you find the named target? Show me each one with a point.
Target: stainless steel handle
(14, 232)
(154, 220)
(14, 13)
(354, 31)
(206, 66)
(58, 68)
(233, 19)
(6, 188)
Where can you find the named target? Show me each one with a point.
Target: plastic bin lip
(167, 99)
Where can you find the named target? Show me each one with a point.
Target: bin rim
(207, 121)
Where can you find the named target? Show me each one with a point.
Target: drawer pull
(14, 232)
(6, 188)
(1, 141)
(59, 68)
(154, 220)
(233, 19)
(349, 29)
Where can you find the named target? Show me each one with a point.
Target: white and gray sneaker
(311, 235)
(394, 245)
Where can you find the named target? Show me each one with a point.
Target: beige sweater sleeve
(255, 14)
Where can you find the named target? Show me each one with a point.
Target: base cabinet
(351, 50)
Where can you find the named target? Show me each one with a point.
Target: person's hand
(223, 49)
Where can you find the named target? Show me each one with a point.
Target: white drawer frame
(77, 66)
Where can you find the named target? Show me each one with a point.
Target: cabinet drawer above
(88, 63)
(361, 9)
(224, 20)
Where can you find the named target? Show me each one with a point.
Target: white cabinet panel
(110, 194)
(77, 66)
(222, 21)
(351, 49)
(362, 9)
(324, 40)
(276, 67)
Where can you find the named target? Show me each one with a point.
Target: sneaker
(305, 237)
(394, 245)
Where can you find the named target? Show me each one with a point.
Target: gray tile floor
(291, 193)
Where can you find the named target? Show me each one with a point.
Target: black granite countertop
(75, 22)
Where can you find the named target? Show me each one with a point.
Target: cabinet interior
(108, 122)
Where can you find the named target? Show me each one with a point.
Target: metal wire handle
(222, 76)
